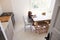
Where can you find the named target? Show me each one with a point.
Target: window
(40, 4)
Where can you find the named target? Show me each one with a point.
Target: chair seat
(27, 24)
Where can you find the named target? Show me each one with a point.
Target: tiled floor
(20, 34)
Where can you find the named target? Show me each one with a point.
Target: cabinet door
(56, 28)
(10, 28)
(55, 35)
(9, 31)
(1, 35)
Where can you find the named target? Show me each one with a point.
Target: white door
(56, 27)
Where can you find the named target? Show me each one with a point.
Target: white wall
(6, 5)
(51, 6)
(0, 10)
(20, 7)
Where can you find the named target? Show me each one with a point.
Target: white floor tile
(20, 34)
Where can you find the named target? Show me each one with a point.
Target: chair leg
(24, 28)
(31, 28)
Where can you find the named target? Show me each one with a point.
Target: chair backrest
(25, 19)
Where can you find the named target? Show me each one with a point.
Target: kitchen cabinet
(1, 35)
(9, 14)
(8, 28)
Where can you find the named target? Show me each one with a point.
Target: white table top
(40, 17)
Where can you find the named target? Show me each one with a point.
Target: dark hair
(29, 14)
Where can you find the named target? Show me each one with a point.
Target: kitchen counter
(7, 23)
(8, 28)
(4, 18)
(9, 14)
(4, 21)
